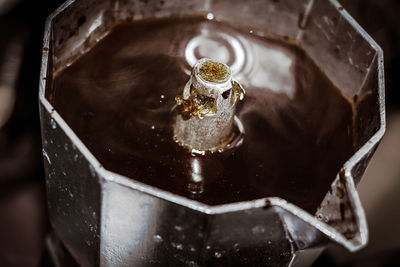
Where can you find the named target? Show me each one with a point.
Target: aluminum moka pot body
(105, 219)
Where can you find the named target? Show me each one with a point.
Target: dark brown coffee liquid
(119, 97)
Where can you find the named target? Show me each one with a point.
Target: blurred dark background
(23, 220)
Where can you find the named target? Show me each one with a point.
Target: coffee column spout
(205, 122)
